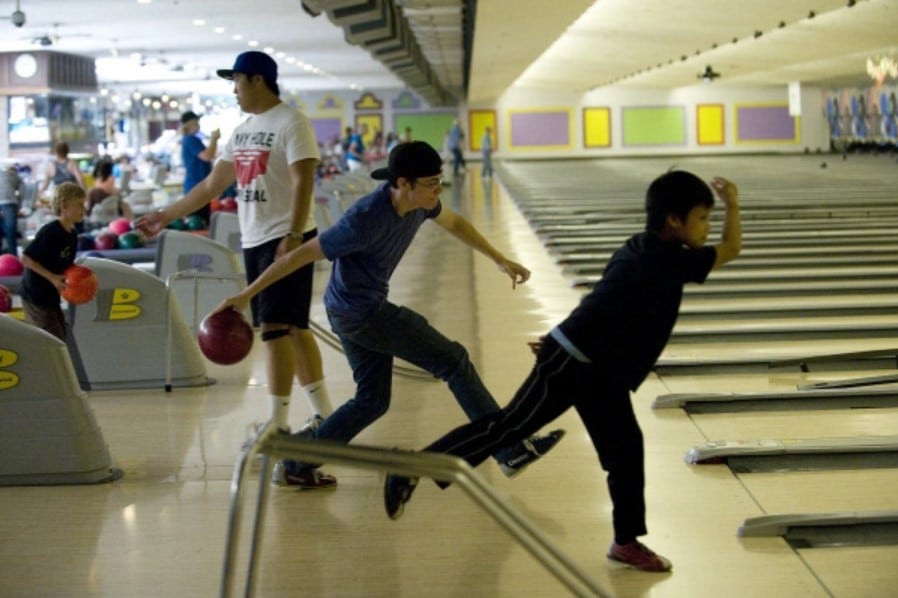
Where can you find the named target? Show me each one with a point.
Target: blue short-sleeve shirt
(365, 246)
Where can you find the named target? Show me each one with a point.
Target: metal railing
(269, 442)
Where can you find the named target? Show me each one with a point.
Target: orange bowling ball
(80, 284)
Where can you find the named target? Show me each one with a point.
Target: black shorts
(288, 300)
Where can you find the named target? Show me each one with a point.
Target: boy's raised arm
(731, 238)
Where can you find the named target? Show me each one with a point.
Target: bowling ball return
(48, 432)
(131, 334)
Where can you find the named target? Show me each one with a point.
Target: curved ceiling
(468, 50)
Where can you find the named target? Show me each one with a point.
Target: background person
(62, 170)
(197, 156)
(456, 143)
(46, 258)
(486, 149)
(355, 152)
(11, 189)
(103, 189)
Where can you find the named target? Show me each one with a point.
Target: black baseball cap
(189, 116)
(411, 160)
(252, 63)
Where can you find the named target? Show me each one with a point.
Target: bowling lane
(725, 341)
(694, 309)
(843, 570)
(855, 571)
(691, 357)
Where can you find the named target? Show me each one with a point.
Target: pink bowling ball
(11, 265)
(120, 226)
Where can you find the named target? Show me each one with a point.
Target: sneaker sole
(618, 564)
(401, 507)
(395, 516)
(304, 488)
(513, 472)
(301, 487)
(284, 485)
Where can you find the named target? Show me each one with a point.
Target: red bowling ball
(80, 284)
(225, 337)
(5, 299)
(106, 241)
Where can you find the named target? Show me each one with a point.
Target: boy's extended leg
(546, 393)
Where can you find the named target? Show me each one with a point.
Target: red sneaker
(637, 555)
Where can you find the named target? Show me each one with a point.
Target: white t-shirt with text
(261, 149)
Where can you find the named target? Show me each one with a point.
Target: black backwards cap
(410, 160)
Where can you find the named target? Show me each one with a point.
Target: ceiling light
(881, 67)
(708, 75)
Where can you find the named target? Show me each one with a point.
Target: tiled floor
(160, 530)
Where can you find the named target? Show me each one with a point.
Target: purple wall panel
(326, 128)
(540, 128)
(757, 123)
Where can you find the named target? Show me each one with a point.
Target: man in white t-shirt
(272, 156)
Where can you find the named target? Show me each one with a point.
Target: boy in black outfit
(605, 348)
(46, 258)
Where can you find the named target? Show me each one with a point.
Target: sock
(319, 401)
(280, 407)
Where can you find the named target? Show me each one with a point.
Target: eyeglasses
(430, 183)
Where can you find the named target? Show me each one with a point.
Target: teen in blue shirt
(365, 246)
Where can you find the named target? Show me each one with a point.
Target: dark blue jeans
(370, 347)
(9, 216)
